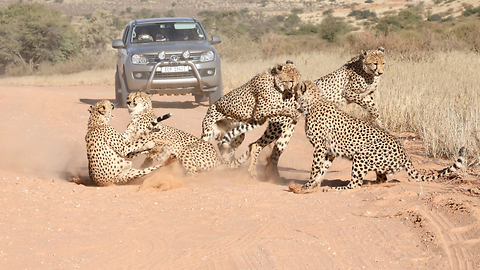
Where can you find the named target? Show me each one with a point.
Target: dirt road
(219, 220)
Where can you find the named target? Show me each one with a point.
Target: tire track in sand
(452, 239)
(217, 254)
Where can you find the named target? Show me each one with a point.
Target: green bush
(169, 13)
(388, 24)
(32, 33)
(362, 14)
(470, 10)
(297, 11)
(409, 16)
(292, 21)
(146, 13)
(307, 29)
(434, 18)
(97, 30)
(332, 27)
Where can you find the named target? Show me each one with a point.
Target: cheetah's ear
(364, 53)
(276, 69)
(381, 49)
(289, 62)
(303, 87)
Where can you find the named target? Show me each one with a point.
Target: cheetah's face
(286, 76)
(101, 111)
(374, 61)
(138, 102)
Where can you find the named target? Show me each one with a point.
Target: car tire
(120, 92)
(200, 98)
(214, 96)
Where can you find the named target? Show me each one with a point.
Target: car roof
(156, 20)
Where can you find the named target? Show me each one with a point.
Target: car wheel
(214, 96)
(120, 92)
(200, 98)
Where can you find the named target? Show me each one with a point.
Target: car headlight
(161, 55)
(139, 59)
(207, 56)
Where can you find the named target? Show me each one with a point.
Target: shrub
(292, 21)
(297, 10)
(169, 13)
(470, 10)
(434, 18)
(307, 29)
(99, 29)
(388, 24)
(145, 13)
(32, 33)
(332, 27)
(362, 14)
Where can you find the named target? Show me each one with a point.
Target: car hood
(170, 47)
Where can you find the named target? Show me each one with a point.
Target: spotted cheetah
(355, 82)
(249, 104)
(107, 149)
(139, 105)
(172, 144)
(334, 133)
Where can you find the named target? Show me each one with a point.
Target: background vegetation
(430, 86)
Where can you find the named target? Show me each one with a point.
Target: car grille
(159, 75)
(153, 58)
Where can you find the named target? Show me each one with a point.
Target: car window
(125, 34)
(171, 31)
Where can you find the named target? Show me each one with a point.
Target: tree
(332, 27)
(98, 30)
(32, 33)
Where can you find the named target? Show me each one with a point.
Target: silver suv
(167, 56)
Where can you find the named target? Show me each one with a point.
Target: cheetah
(107, 149)
(194, 154)
(139, 105)
(355, 82)
(334, 133)
(249, 104)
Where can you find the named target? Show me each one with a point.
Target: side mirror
(118, 44)
(215, 39)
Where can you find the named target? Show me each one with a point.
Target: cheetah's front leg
(322, 160)
(366, 103)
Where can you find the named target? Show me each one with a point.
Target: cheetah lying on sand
(107, 149)
(194, 154)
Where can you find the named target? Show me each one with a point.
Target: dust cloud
(37, 148)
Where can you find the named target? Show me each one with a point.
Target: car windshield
(172, 31)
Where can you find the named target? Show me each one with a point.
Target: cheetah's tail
(244, 128)
(161, 118)
(460, 163)
(239, 161)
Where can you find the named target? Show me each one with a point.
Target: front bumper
(195, 81)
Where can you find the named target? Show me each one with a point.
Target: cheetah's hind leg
(161, 153)
(129, 175)
(381, 178)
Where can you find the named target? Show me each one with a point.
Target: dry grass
(437, 99)
(106, 76)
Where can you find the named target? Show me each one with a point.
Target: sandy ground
(219, 220)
